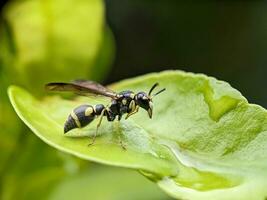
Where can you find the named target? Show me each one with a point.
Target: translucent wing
(82, 87)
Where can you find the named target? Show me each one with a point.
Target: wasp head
(144, 100)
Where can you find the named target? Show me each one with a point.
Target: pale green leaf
(205, 141)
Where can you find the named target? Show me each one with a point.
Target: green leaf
(9, 123)
(8, 141)
(105, 56)
(45, 41)
(99, 184)
(42, 41)
(205, 140)
(32, 167)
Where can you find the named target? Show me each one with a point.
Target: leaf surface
(204, 140)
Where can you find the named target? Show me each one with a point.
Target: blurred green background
(57, 40)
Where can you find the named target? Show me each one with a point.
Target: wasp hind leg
(97, 126)
(123, 146)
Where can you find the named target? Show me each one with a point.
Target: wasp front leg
(133, 109)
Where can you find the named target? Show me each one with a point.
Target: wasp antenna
(159, 92)
(152, 88)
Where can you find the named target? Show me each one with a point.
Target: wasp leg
(133, 112)
(120, 139)
(123, 146)
(98, 125)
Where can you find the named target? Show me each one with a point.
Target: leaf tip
(11, 90)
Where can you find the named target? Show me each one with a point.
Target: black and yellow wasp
(121, 103)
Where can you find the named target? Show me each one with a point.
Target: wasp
(125, 102)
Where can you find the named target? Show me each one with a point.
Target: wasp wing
(82, 87)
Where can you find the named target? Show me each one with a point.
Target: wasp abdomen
(82, 116)
(69, 124)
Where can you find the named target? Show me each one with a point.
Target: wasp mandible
(121, 103)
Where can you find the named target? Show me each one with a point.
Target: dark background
(224, 39)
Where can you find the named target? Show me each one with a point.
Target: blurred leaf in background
(53, 40)
(107, 183)
(32, 170)
(42, 41)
